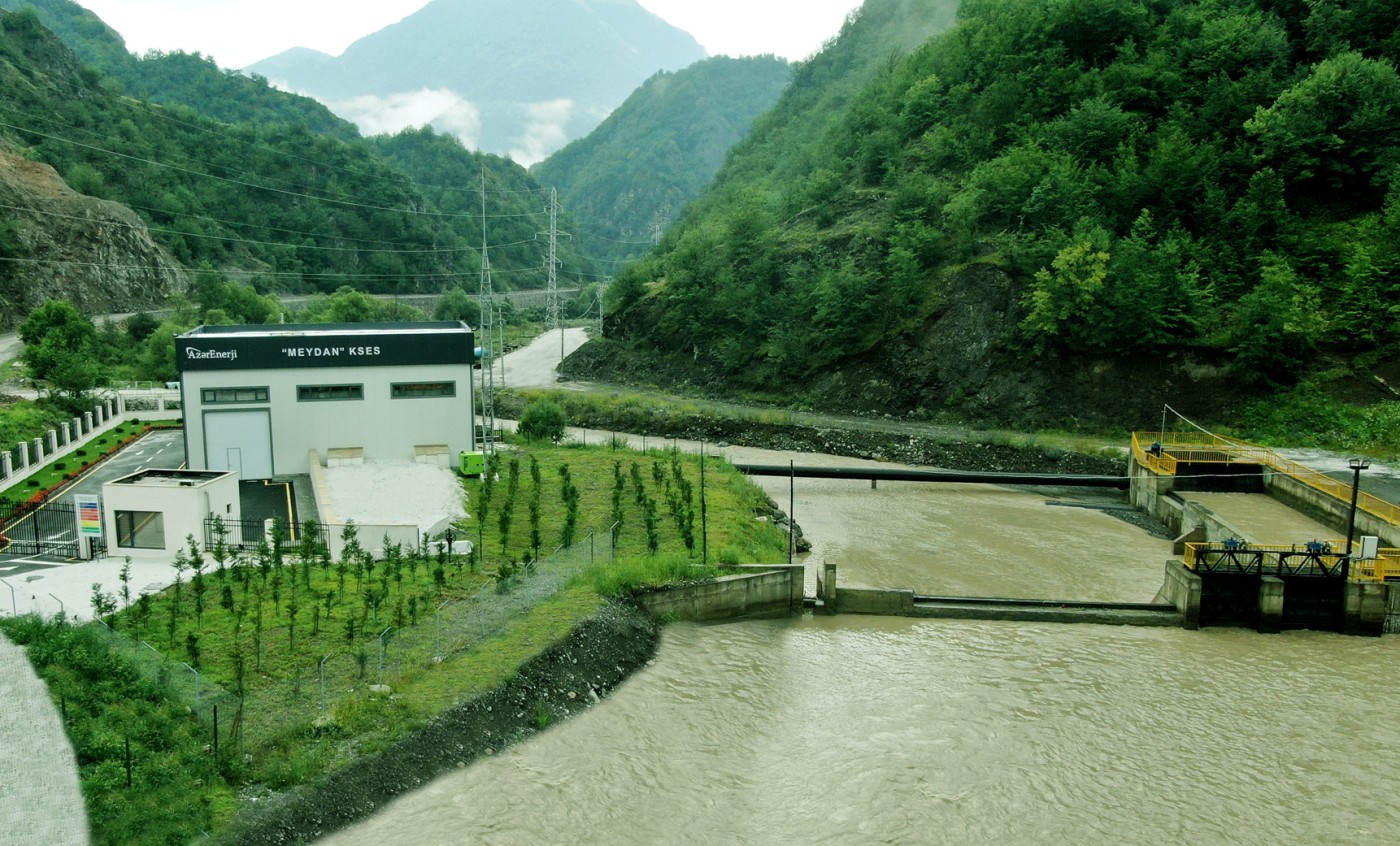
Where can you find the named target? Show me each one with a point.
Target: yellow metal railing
(1205, 448)
(1385, 566)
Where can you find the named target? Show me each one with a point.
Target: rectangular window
(318, 393)
(221, 396)
(141, 529)
(409, 390)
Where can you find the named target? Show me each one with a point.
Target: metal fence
(1164, 451)
(215, 707)
(247, 534)
(389, 654)
(46, 527)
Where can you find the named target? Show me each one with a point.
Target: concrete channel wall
(762, 591)
(1327, 509)
(1182, 588)
(890, 603)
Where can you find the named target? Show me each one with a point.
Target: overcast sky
(237, 33)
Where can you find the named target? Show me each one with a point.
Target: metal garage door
(240, 441)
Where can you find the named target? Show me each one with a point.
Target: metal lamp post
(1356, 465)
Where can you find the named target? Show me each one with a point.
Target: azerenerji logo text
(227, 355)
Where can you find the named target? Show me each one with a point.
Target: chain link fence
(215, 707)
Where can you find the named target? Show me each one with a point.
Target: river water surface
(862, 730)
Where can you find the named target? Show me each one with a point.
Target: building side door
(240, 441)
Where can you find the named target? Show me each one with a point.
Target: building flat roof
(311, 330)
(305, 345)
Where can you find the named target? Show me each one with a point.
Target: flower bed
(58, 475)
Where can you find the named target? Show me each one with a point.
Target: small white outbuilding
(153, 512)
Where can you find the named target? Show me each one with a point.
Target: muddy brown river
(852, 730)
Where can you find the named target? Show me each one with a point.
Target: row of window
(319, 393)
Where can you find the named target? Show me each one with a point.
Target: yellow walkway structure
(1187, 454)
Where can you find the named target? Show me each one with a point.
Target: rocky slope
(56, 243)
(967, 363)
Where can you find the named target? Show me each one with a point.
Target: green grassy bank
(291, 645)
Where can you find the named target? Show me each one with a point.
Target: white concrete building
(258, 399)
(151, 513)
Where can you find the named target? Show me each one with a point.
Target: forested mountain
(272, 203)
(517, 220)
(514, 77)
(1050, 205)
(631, 176)
(179, 79)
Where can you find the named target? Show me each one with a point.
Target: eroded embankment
(599, 653)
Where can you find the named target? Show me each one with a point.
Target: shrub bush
(543, 419)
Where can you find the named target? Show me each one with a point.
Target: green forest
(232, 175)
(1213, 177)
(630, 177)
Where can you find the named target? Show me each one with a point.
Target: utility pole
(487, 301)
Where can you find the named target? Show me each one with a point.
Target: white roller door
(239, 441)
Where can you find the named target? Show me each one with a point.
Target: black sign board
(265, 348)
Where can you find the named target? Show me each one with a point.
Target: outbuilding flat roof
(171, 478)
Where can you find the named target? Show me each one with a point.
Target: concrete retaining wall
(895, 603)
(1182, 588)
(1365, 608)
(370, 536)
(1148, 492)
(767, 591)
(1194, 516)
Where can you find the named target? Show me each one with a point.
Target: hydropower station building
(258, 399)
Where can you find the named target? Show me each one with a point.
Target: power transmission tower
(487, 301)
(551, 299)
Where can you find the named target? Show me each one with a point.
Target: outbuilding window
(319, 393)
(410, 390)
(140, 529)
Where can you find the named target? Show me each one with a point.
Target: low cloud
(445, 110)
(544, 132)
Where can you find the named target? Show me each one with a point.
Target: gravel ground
(395, 492)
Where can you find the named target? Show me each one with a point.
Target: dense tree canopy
(1154, 175)
(61, 349)
(232, 174)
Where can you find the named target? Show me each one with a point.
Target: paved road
(537, 364)
(45, 584)
(10, 347)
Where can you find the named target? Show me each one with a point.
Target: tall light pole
(1356, 465)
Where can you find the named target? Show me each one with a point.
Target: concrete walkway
(40, 799)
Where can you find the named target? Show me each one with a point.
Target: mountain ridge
(1046, 206)
(517, 78)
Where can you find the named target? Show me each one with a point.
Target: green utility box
(473, 463)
